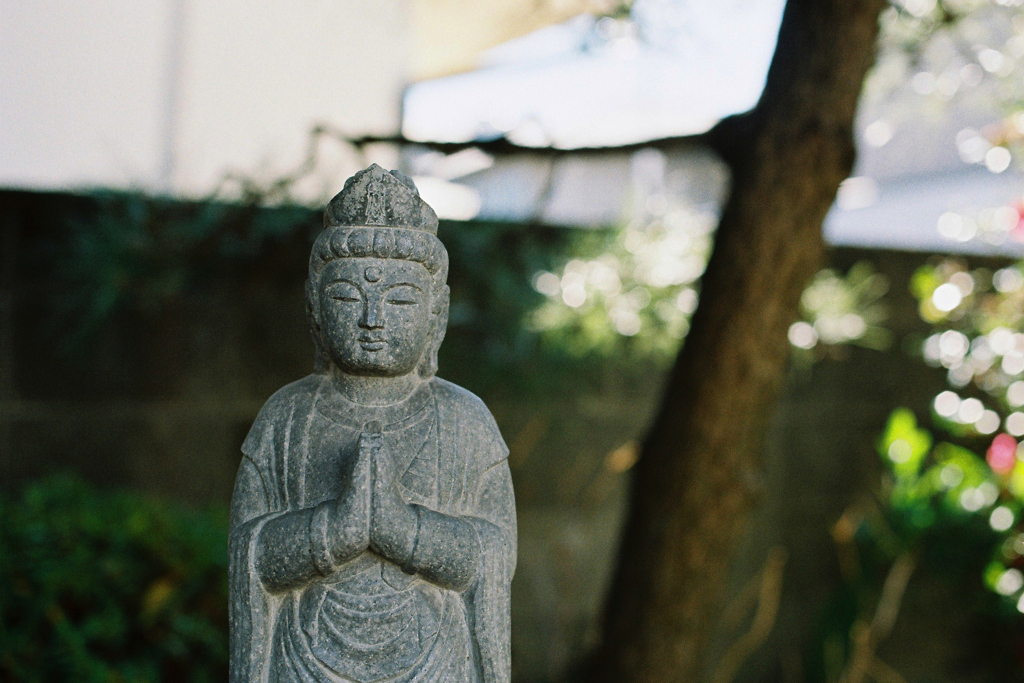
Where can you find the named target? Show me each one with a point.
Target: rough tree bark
(696, 480)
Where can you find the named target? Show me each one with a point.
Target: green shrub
(110, 586)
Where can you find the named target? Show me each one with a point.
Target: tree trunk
(698, 475)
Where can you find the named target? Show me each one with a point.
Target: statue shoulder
(465, 402)
(274, 414)
(476, 424)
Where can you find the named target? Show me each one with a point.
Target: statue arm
(249, 499)
(284, 549)
(287, 552)
(444, 549)
(447, 548)
(251, 506)
(297, 546)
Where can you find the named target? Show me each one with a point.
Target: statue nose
(372, 318)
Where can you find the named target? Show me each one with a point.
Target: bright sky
(682, 66)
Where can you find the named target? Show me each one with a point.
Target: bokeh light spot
(946, 297)
(970, 410)
(1011, 580)
(998, 159)
(947, 403)
(1002, 519)
(900, 451)
(972, 500)
(1015, 394)
(951, 476)
(878, 133)
(547, 284)
(988, 423)
(802, 335)
(1015, 424)
(1007, 280)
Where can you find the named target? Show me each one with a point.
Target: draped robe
(369, 621)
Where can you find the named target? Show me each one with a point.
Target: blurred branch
(843, 534)
(768, 598)
(253, 192)
(502, 145)
(883, 673)
(277, 191)
(867, 637)
(547, 191)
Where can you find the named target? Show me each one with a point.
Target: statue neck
(375, 391)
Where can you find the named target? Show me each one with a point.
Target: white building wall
(100, 94)
(259, 76)
(81, 92)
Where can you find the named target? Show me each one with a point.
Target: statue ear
(321, 361)
(438, 328)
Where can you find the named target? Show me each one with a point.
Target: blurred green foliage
(951, 499)
(130, 253)
(103, 587)
(839, 309)
(490, 343)
(947, 483)
(965, 494)
(534, 308)
(941, 517)
(628, 292)
(978, 336)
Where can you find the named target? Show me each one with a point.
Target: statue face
(375, 315)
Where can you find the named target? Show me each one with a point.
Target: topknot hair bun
(376, 197)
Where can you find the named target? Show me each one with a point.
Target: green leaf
(923, 282)
(903, 445)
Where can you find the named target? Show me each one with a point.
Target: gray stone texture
(373, 527)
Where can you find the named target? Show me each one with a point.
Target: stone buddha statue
(373, 528)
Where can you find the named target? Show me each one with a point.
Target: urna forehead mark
(372, 274)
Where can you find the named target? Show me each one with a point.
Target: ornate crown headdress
(375, 197)
(380, 213)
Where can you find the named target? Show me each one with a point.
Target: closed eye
(344, 291)
(403, 295)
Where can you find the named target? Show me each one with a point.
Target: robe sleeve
(251, 609)
(488, 600)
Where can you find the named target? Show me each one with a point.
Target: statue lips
(372, 343)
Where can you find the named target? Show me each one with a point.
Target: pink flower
(1002, 454)
(1017, 231)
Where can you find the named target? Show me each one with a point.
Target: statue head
(376, 297)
